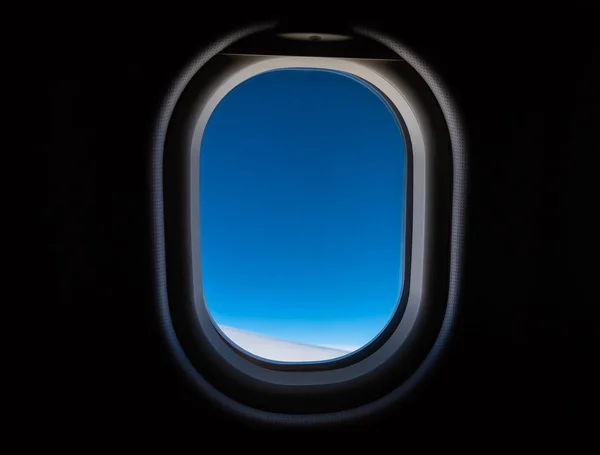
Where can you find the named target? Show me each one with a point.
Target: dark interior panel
(522, 349)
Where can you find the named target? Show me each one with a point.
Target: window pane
(302, 182)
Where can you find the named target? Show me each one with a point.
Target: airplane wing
(280, 350)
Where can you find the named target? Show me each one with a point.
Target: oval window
(302, 210)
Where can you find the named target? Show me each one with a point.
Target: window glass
(302, 197)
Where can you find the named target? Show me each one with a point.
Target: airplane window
(302, 207)
(308, 205)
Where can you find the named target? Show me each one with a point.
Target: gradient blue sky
(301, 207)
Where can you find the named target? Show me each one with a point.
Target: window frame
(410, 120)
(187, 323)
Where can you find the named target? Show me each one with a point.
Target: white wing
(281, 350)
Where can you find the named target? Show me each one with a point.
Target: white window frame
(393, 88)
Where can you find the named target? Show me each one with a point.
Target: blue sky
(301, 207)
